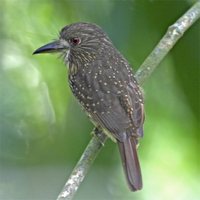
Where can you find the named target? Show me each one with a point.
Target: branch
(172, 35)
(83, 165)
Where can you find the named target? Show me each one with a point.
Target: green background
(42, 128)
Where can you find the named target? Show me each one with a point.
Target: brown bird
(102, 81)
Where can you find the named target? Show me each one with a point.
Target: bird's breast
(82, 85)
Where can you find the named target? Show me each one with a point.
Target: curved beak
(52, 47)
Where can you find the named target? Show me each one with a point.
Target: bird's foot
(101, 136)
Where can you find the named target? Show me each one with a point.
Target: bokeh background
(43, 131)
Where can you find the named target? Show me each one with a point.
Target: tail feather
(130, 163)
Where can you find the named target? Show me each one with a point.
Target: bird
(103, 82)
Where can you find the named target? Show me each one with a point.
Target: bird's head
(77, 42)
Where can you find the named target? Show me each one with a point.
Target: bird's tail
(130, 163)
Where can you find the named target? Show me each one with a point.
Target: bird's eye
(75, 41)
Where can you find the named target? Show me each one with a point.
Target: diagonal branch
(173, 34)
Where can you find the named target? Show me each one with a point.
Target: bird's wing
(133, 104)
(119, 112)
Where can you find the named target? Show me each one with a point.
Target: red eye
(75, 41)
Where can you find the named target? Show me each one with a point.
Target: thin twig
(83, 165)
(172, 35)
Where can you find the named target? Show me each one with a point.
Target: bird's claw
(101, 136)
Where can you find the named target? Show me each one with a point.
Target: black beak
(52, 47)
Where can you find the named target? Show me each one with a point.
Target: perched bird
(102, 81)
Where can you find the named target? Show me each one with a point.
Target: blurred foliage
(42, 129)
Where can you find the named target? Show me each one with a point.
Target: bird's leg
(98, 132)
